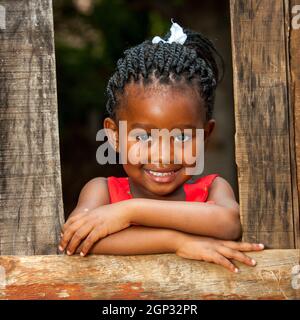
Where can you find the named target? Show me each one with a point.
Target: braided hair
(193, 62)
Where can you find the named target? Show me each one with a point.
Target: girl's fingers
(221, 260)
(72, 220)
(96, 234)
(78, 236)
(68, 234)
(243, 246)
(237, 255)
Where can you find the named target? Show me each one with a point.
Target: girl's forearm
(193, 217)
(137, 240)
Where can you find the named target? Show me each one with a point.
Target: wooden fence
(266, 52)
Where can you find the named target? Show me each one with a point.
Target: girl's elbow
(237, 231)
(234, 230)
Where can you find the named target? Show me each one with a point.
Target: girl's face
(157, 106)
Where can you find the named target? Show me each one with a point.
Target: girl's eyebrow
(137, 124)
(147, 125)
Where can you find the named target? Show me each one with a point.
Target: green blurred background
(90, 36)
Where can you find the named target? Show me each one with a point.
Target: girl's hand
(90, 226)
(217, 251)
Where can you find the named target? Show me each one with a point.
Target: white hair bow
(177, 35)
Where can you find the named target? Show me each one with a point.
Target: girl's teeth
(160, 174)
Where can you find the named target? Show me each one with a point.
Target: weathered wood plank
(31, 209)
(161, 276)
(294, 48)
(262, 138)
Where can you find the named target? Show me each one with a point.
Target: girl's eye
(182, 137)
(144, 137)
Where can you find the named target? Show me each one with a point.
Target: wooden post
(265, 149)
(31, 209)
(294, 47)
(160, 276)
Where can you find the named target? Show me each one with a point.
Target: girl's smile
(162, 175)
(158, 106)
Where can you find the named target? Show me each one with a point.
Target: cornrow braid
(193, 62)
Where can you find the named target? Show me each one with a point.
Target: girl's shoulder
(221, 191)
(214, 181)
(98, 181)
(95, 191)
(206, 180)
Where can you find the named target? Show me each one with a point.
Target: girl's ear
(208, 128)
(111, 130)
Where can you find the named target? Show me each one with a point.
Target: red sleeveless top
(119, 188)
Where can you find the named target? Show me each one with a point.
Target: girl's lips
(162, 177)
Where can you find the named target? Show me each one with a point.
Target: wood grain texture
(161, 276)
(262, 138)
(294, 48)
(31, 209)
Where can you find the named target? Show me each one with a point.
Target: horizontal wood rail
(159, 276)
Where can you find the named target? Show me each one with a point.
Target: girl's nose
(161, 153)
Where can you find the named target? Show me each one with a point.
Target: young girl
(160, 84)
